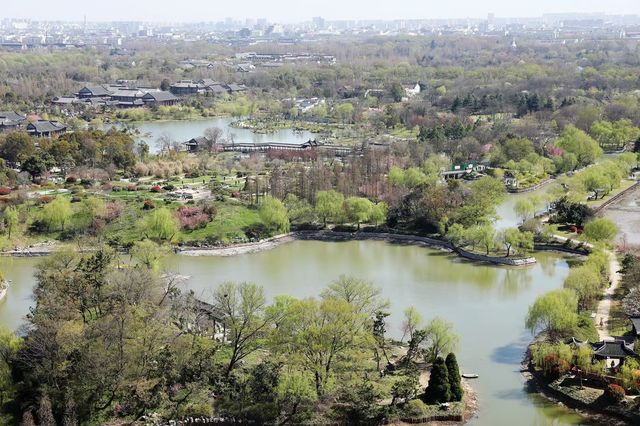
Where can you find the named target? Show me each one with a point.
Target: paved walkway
(604, 306)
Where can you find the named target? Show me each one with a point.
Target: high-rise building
(318, 22)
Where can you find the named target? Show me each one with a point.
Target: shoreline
(331, 236)
(534, 384)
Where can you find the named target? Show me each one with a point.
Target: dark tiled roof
(636, 323)
(11, 116)
(200, 140)
(236, 87)
(44, 126)
(614, 349)
(160, 96)
(96, 90)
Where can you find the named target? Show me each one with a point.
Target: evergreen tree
(454, 377)
(45, 413)
(456, 104)
(27, 419)
(438, 389)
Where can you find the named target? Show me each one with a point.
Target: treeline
(105, 153)
(113, 340)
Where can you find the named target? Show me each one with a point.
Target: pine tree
(27, 419)
(438, 389)
(45, 413)
(69, 418)
(454, 377)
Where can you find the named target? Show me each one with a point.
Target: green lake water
(486, 304)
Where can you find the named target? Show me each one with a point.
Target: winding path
(604, 306)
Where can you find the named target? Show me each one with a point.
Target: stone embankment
(273, 242)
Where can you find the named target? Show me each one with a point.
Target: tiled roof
(161, 96)
(615, 349)
(44, 126)
(636, 323)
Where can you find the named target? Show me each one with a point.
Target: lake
(487, 304)
(184, 130)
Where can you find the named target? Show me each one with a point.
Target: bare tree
(213, 136)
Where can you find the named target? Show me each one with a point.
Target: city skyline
(289, 11)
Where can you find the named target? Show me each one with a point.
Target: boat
(470, 376)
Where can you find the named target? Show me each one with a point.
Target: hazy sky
(298, 10)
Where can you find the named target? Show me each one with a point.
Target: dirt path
(604, 306)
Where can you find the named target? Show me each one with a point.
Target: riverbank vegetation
(116, 340)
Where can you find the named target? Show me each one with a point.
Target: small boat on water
(470, 376)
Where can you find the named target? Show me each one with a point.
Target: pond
(486, 304)
(184, 130)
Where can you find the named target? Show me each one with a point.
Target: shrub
(148, 205)
(87, 183)
(132, 188)
(5, 191)
(169, 187)
(113, 210)
(415, 409)
(45, 199)
(614, 393)
(116, 189)
(192, 217)
(155, 188)
(71, 179)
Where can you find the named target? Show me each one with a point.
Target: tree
(360, 294)
(17, 147)
(274, 215)
(9, 346)
(165, 84)
(159, 225)
(586, 282)
(213, 136)
(405, 389)
(517, 149)
(484, 236)
(378, 213)
(11, 219)
(57, 213)
(600, 229)
(554, 312)
(568, 212)
(329, 205)
(243, 310)
(438, 390)
(35, 165)
(454, 377)
(344, 112)
(45, 412)
(298, 209)
(614, 135)
(148, 253)
(524, 209)
(358, 209)
(441, 338)
(577, 142)
(323, 335)
(514, 238)
(457, 235)
(412, 322)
